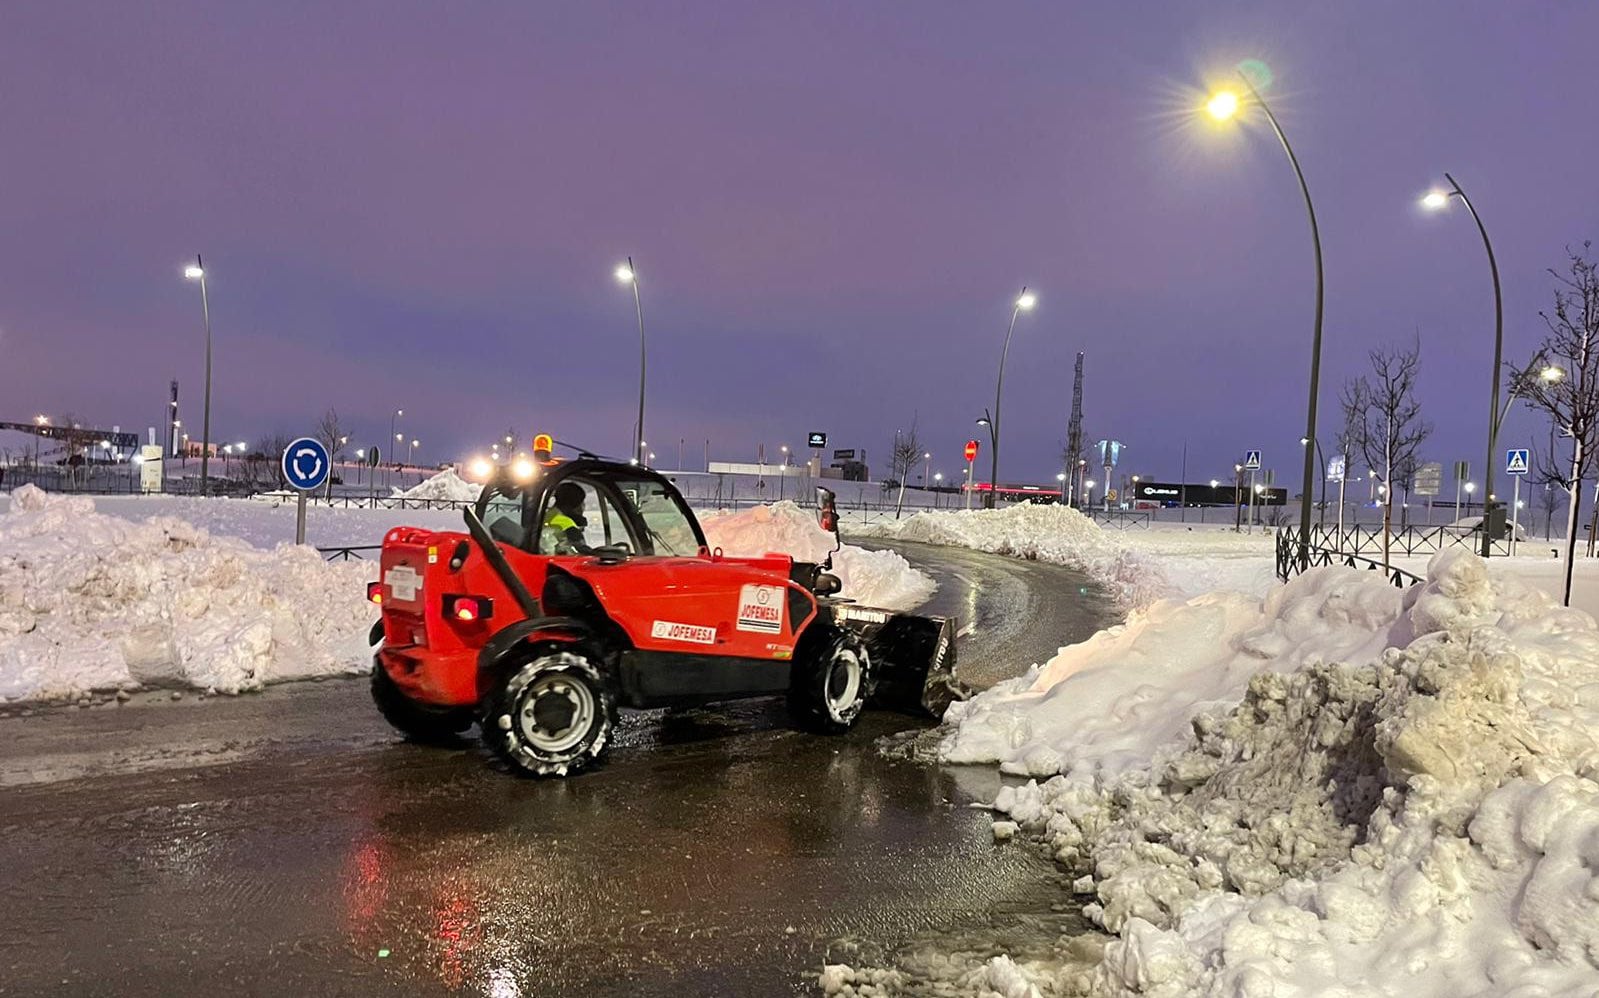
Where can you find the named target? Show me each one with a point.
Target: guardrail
(1290, 562)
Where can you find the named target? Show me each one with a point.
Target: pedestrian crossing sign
(1252, 459)
(1516, 461)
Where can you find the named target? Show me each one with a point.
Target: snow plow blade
(913, 658)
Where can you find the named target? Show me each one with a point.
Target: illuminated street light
(1223, 106)
(1024, 303)
(1552, 373)
(196, 272)
(628, 274)
(1214, 483)
(1436, 200)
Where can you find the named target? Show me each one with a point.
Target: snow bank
(1057, 534)
(89, 601)
(445, 485)
(1340, 790)
(876, 578)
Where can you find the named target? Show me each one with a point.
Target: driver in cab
(564, 521)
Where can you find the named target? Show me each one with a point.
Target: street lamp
(1435, 201)
(410, 455)
(1024, 303)
(1224, 106)
(394, 434)
(196, 272)
(627, 275)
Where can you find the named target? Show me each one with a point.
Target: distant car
(1473, 525)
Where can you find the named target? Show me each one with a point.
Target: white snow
(444, 485)
(90, 601)
(875, 578)
(208, 593)
(1046, 533)
(1340, 789)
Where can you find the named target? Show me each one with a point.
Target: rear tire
(830, 686)
(551, 716)
(417, 721)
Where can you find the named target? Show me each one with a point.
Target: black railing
(1290, 561)
(357, 552)
(1118, 518)
(1412, 539)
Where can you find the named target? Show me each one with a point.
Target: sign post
(306, 466)
(1252, 465)
(1462, 469)
(1429, 481)
(372, 458)
(1516, 462)
(971, 455)
(1335, 470)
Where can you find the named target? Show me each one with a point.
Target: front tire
(551, 716)
(417, 721)
(830, 687)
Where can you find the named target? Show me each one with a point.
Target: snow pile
(1057, 534)
(89, 601)
(1378, 793)
(876, 578)
(445, 485)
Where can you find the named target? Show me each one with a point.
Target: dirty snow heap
(90, 601)
(1341, 790)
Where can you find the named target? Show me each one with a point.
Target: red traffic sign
(971, 450)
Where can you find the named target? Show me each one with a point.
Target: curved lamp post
(1435, 201)
(1024, 303)
(1222, 106)
(627, 275)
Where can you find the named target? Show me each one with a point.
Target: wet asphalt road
(288, 843)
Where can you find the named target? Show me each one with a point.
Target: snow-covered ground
(102, 593)
(1337, 789)
(1137, 566)
(90, 601)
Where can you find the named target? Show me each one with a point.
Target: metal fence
(108, 480)
(1409, 540)
(1291, 560)
(357, 552)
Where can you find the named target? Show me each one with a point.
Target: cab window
(580, 529)
(504, 515)
(667, 523)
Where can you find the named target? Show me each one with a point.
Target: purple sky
(831, 207)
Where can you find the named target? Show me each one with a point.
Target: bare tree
(1571, 400)
(263, 466)
(1385, 419)
(333, 437)
(906, 453)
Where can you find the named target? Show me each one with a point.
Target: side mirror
(827, 509)
(827, 517)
